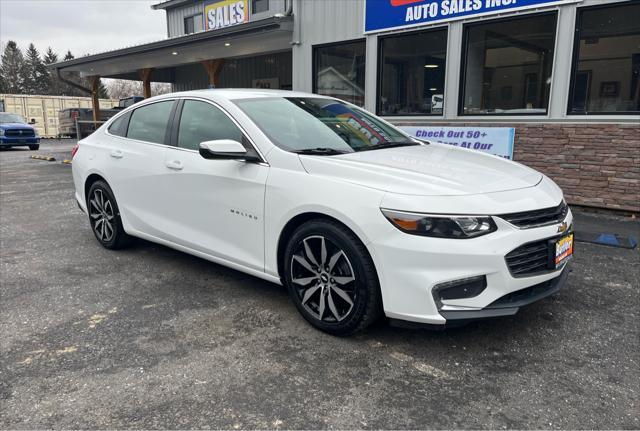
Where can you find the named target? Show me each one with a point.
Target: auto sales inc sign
(383, 15)
(225, 13)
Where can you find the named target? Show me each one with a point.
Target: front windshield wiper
(320, 151)
(388, 145)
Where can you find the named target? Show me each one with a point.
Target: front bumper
(410, 268)
(511, 303)
(16, 142)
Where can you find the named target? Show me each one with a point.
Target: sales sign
(225, 13)
(390, 14)
(493, 140)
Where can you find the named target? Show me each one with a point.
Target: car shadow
(501, 331)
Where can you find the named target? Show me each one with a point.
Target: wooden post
(95, 99)
(145, 76)
(213, 68)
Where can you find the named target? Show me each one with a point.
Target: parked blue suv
(15, 132)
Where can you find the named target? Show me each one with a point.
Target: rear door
(135, 162)
(215, 206)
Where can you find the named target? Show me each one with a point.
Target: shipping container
(44, 109)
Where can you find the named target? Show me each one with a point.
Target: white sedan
(355, 217)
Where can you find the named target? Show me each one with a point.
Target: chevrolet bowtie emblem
(563, 227)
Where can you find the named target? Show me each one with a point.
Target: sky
(82, 26)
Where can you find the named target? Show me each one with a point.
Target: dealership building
(562, 77)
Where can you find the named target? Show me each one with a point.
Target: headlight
(455, 227)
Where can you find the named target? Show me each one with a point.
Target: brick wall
(596, 165)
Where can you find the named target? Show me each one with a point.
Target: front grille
(537, 218)
(19, 133)
(530, 294)
(529, 259)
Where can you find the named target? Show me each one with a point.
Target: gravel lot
(154, 338)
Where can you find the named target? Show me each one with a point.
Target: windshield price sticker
(493, 140)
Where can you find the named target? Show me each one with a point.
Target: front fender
(354, 206)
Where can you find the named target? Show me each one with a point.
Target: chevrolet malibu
(355, 217)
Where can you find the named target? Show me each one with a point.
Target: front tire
(104, 217)
(34, 147)
(331, 278)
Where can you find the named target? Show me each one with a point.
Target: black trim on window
(171, 135)
(380, 65)
(575, 59)
(463, 61)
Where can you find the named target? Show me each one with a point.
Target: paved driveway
(153, 338)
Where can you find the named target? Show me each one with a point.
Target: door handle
(176, 165)
(116, 154)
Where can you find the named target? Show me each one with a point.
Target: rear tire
(34, 147)
(104, 217)
(331, 278)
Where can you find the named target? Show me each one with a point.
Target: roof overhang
(170, 4)
(253, 38)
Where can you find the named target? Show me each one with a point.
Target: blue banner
(387, 14)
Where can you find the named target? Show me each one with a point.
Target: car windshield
(320, 126)
(11, 118)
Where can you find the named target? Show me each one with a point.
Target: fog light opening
(460, 289)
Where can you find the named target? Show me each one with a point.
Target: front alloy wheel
(331, 278)
(324, 279)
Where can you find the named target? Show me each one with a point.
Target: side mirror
(225, 149)
(33, 121)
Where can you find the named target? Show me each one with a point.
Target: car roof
(240, 93)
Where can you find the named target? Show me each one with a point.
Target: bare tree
(122, 88)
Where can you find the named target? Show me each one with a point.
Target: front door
(215, 206)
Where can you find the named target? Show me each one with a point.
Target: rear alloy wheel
(105, 217)
(331, 278)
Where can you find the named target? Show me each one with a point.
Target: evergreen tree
(54, 84)
(69, 90)
(36, 75)
(11, 68)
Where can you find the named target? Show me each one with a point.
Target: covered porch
(256, 54)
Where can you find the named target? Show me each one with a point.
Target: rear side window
(149, 123)
(119, 126)
(202, 122)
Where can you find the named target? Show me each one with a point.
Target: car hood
(433, 169)
(7, 126)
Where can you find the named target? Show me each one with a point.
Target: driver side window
(201, 121)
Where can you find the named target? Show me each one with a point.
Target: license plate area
(560, 250)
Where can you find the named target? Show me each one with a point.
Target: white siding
(319, 22)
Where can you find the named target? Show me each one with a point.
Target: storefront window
(606, 77)
(258, 6)
(339, 71)
(412, 70)
(507, 66)
(193, 24)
